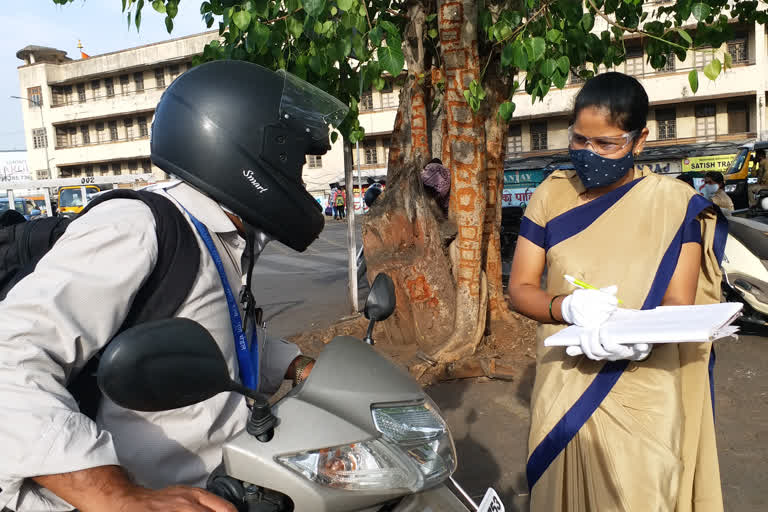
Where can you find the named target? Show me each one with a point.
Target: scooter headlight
(414, 452)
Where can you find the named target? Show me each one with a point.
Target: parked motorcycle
(745, 264)
(358, 435)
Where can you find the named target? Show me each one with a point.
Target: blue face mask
(597, 171)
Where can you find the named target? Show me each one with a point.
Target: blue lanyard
(247, 359)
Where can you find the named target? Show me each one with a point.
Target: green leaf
(334, 137)
(137, 19)
(343, 47)
(314, 7)
(548, 67)
(169, 24)
(519, 56)
(431, 17)
(700, 11)
(334, 10)
(554, 36)
(171, 9)
(346, 5)
(507, 55)
(318, 64)
(375, 36)
(685, 35)
(433, 33)
(129, 20)
(587, 22)
(391, 29)
(559, 79)
(295, 26)
(693, 79)
(123, 5)
(727, 60)
(391, 59)
(563, 64)
(506, 110)
(258, 36)
(242, 19)
(159, 6)
(538, 47)
(712, 70)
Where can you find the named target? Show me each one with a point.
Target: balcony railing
(100, 143)
(90, 98)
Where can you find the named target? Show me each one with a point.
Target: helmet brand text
(254, 182)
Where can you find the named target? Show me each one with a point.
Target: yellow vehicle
(742, 173)
(71, 200)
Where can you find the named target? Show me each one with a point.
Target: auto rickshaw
(742, 173)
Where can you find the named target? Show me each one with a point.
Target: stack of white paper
(665, 324)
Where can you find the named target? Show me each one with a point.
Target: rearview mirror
(163, 365)
(381, 300)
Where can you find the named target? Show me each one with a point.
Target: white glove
(599, 349)
(589, 308)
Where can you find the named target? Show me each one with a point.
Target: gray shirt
(55, 319)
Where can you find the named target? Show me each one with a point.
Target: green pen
(581, 284)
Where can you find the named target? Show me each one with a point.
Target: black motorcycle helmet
(239, 133)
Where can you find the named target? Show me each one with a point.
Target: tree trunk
(444, 295)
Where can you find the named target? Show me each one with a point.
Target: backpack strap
(164, 291)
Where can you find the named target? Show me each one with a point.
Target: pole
(359, 171)
(351, 244)
(45, 130)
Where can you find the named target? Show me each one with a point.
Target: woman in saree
(618, 427)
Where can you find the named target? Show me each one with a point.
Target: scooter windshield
(307, 105)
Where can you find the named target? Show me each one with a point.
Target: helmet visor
(304, 103)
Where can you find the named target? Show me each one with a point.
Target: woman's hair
(435, 161)
(620, 95)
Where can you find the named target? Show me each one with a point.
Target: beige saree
(624, 436)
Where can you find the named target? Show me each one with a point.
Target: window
(138, 79)
(702, 57)
(116, 169)
(173, 71)
(104, 169)
(371, 155)
(62, 141)
(160, 77)
(39, 138)
(124, 84)
(35, 95)
(68, 94)
(514, 140)
(666, 121)
(670, 65)
(366, 101)
(128, 128)
(315, 162)
(634, 60)
(95, 87)
(738, 50)
(738, 117)
(576, 77)
(100, 135)
(81, 93)
(389, 100)
(189, 65)
(113, 130)
(86, 134)
(109, 84)
(146, 166)
(72, 135)
(143, 132)
(89, 170)
(705, 121)
(133, 167)
(539, 136)
(385, 145)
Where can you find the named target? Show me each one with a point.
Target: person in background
(437, 181)
(686, 178)
(617, 427)
(762, 168)
(714, 190)
(340, 205)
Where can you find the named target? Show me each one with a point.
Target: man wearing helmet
(235, 135)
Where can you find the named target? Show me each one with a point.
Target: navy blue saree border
(565, 429)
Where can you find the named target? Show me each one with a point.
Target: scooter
(358, 435)
(745, 263)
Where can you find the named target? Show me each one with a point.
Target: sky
(100, 25)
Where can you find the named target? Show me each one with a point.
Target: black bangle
(555, 320)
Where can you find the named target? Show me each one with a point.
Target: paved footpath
(489, 420)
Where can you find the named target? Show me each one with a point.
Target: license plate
(491, 502)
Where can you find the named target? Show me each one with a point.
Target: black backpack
(23, 243)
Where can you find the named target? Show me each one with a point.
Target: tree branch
(631, 30)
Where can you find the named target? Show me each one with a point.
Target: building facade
(683, 126)
(92, 117)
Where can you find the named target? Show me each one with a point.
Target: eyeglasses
(601, 145)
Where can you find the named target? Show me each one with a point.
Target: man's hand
(108, 488)
(172, 499)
